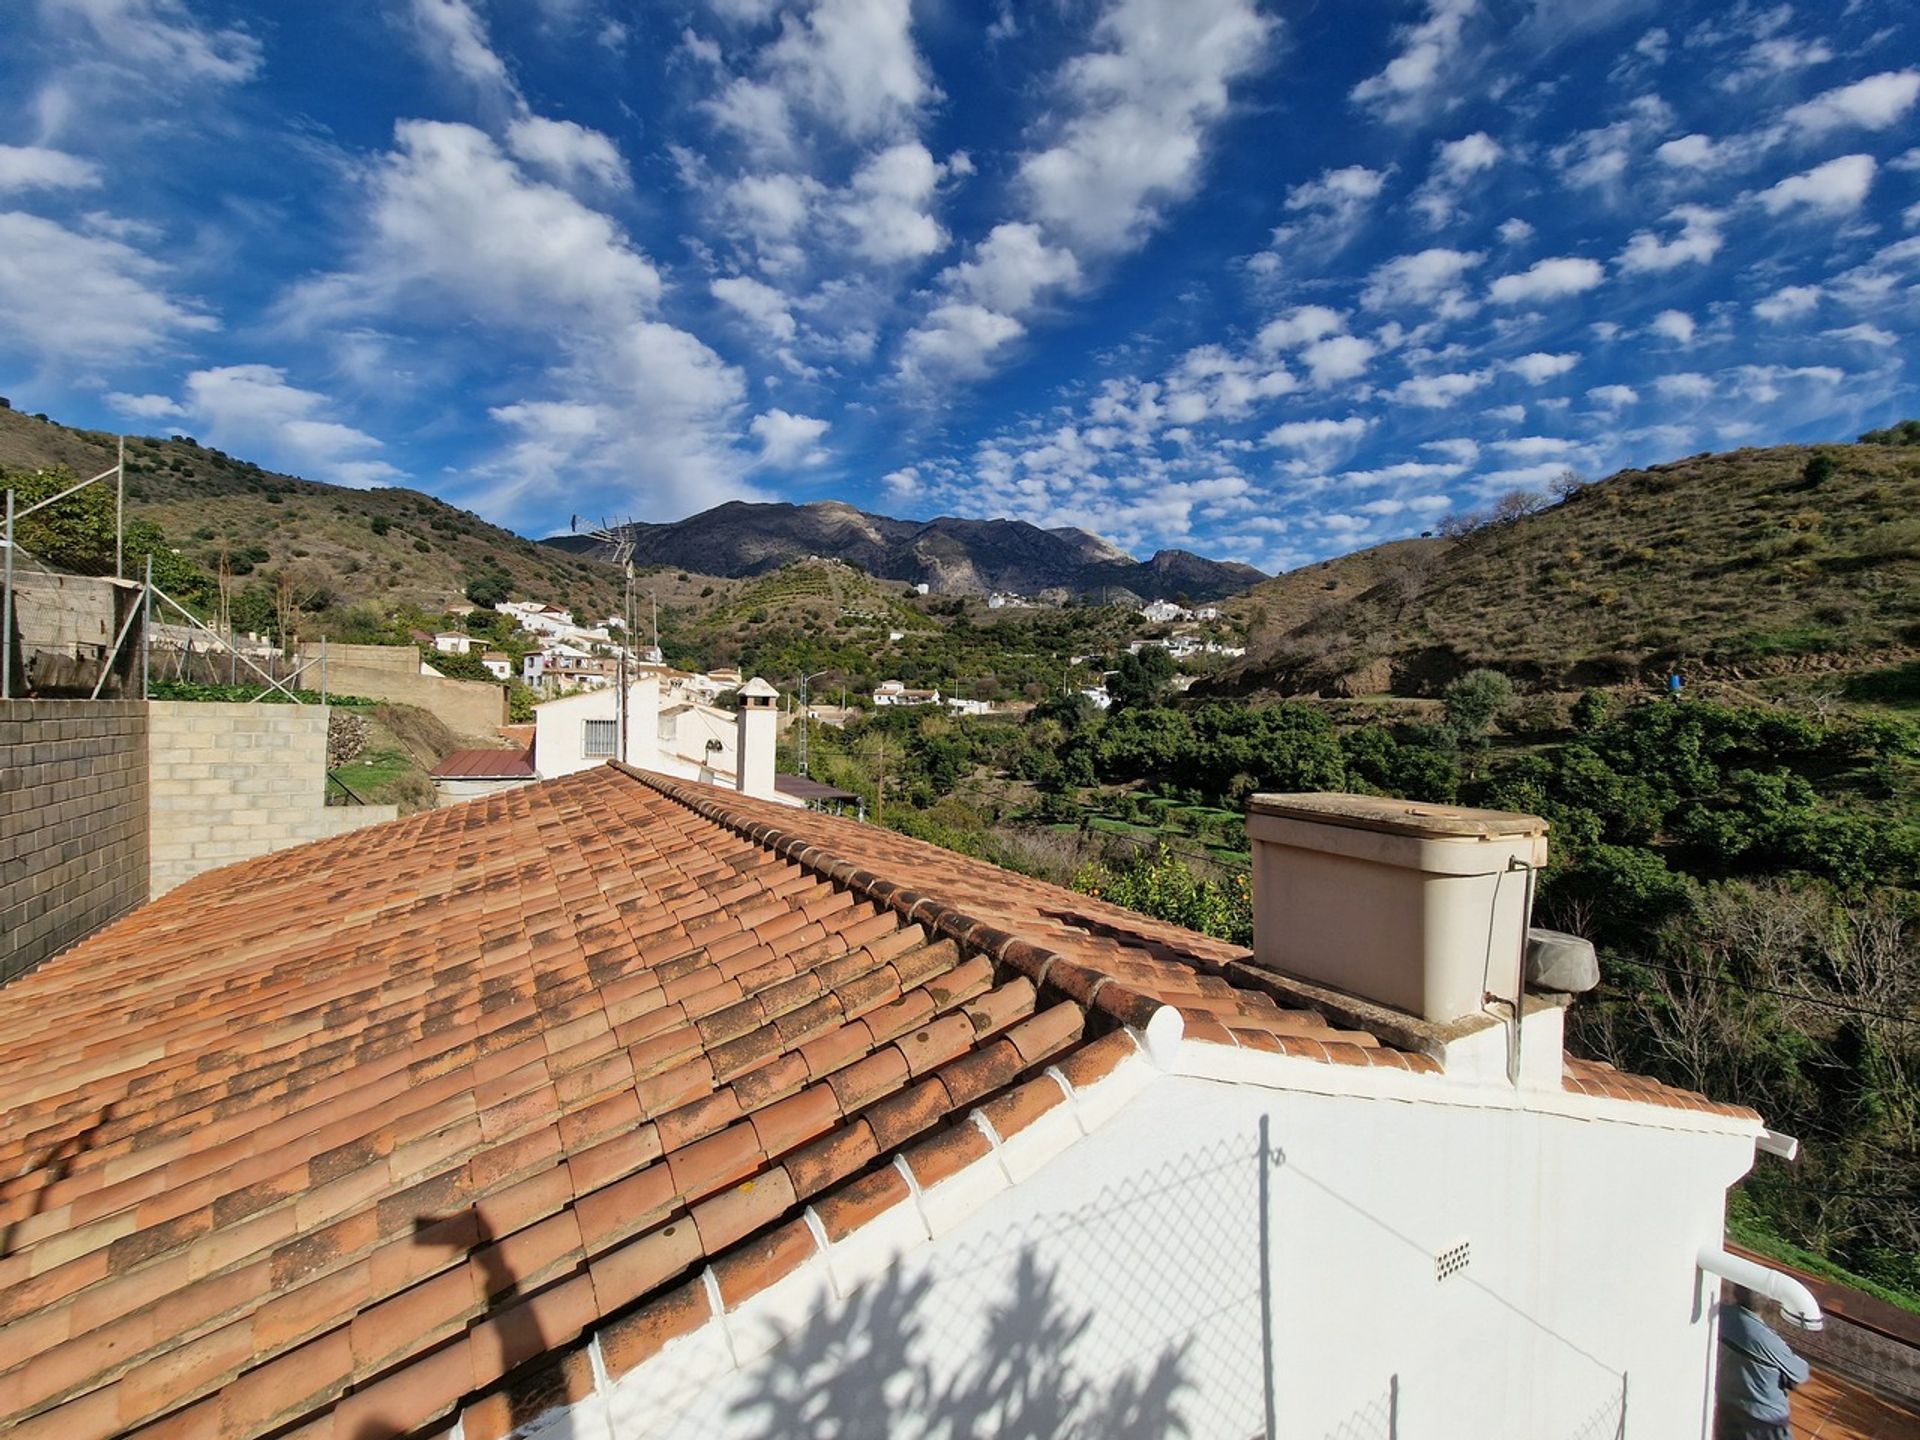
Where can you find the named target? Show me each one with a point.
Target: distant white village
(675, 721)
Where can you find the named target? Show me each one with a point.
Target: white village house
(629, 1106)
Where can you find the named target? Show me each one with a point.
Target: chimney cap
(758, 689)
(1397, 817)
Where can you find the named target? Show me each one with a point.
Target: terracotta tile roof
(1596, 1077)
(345, 1136)
(485, 764)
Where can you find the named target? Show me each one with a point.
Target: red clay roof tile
(405, 1108)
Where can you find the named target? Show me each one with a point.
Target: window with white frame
(600, 739)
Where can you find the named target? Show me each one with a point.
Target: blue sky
(1268, 281)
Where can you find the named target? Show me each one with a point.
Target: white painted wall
(559, 735)
(1117, 1292)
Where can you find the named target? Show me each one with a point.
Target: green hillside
(1749, 563)
(398, 548)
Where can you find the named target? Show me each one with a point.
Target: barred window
(601, 738)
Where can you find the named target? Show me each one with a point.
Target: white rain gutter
(1796, 1302)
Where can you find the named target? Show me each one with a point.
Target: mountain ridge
(950, 554)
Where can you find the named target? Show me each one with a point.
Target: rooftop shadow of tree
(863, 1370)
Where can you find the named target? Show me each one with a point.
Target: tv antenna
(617, 537)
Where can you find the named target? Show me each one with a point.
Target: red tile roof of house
(343, 1136)
(485, 764)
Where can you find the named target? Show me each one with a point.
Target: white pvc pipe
(1796, 1302)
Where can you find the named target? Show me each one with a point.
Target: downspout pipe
(1796, 1302)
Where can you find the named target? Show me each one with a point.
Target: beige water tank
(1419, 907)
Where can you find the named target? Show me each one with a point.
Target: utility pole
(801, 749)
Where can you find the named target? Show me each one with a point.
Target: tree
(1819, 469)
(1567, 484)
(1139, 677)
(1591, 710)
(1472, 702)
(490, 589)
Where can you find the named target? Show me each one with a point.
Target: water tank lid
(1397, 817)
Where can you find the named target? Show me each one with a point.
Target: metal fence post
(6, 618)
(146, 627)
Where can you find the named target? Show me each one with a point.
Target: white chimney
(754, 731)
(1422, 908)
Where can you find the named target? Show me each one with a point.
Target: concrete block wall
(232, 781)
(65, 627)
(73, 822)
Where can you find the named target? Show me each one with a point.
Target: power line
(1783, 994)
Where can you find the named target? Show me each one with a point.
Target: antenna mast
(619, 539)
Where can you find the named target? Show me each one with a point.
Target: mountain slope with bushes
(1754, 562)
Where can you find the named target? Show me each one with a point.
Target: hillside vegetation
(1754, 562)
(394, 547)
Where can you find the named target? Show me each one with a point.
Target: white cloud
(1515, 231)
(1509, 414)
(568, 153)
(1330, 207)
(1696, 152)
(1321, 441)
(1686, 385)
(760, 303)
(146, 407)
(1533, 447)
(1834, 188)
(1012, 268)
(957, 339)
(1338, 358)
(1773, 56)
(1698, 242)
(902, 483)
(1598, 158)
(850, 64)
(452, 33)
(1429, 278)
(1614, 397)
(1137, 111)
(34, 167)
(1864, 334)
(84, 299)
(1788, 303)
(886, 211)
(630, 408)
(253, 408)
(1540, 367)
(449, 215)
(1676, 325)
(1455, 164)
(1547, 280)
(1459, 449)
(1875, 103)
(162, 39)
(788, 440)
(1429, 50)
(1439, 392)
(1403, 472)
(1300, 326)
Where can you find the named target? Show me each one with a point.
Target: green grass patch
(376, 770)
(1897, 686)
(1749, 1227)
